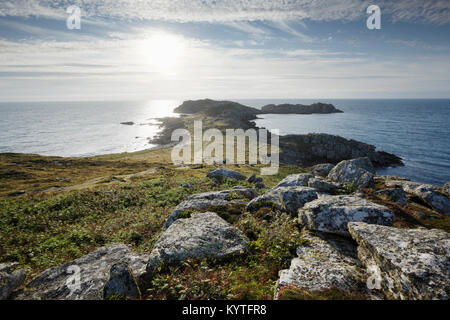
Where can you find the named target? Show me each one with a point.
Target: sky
(223, 49)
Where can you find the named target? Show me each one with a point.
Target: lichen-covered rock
(120, 283)
(288, 199)
(357, 172)
(238, 195)
(427, 193)
(85, 278)
(408, 263)
(270, 198)
(325, 262)
(226, 173)
(10, 279)
(322, 185)
(295, 180)
(322, 169)
(446, 189)
(434, 199)
(332, 213)
(203, 235)
(293, 198)
(393, 194)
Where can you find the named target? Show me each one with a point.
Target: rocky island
(136, 226)
(300, 108)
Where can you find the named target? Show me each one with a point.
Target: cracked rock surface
(327, 261)
(411, 263)
(203, 235)
(332, 213)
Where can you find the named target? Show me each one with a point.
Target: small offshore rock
(410, 263)
(332, 213)
(226, 173)
(393, 194)
(203, 235)
(322, 169)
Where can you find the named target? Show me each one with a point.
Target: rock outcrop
(332, 213)
(446, 189)
(408, 263)
(300, 108)
(429, 194)
(108, 271)
(322, 185)
(288, 199)
(238, 195)
(322, 169)
(226, 173)
(311, 149)
(358, 172)
(323, 263)
(203, 235)
(294, 198)
(10, 279)
(393, 194)
(295, 180)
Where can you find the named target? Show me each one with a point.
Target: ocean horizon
(415, 129)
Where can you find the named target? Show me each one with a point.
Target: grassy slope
(107, 202)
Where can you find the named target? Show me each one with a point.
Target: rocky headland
(343, 232)
(135, 226)
(302, 150)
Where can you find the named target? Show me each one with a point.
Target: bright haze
(230, 49)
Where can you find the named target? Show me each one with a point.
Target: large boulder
(237, 195)
(393, 194)
(358, 172)
(332, 213)
(203, 235)
(322, 169)
(10, 279)
(295, 180)
(405, 263)
(106, 272)
(226, 173)
(323, 263)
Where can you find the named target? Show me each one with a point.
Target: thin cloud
(435, 12)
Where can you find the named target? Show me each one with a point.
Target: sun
(163, 52)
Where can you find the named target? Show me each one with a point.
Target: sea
(418, 130)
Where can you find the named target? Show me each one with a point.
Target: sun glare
(163, 52)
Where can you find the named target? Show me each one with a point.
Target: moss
(296, 293)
